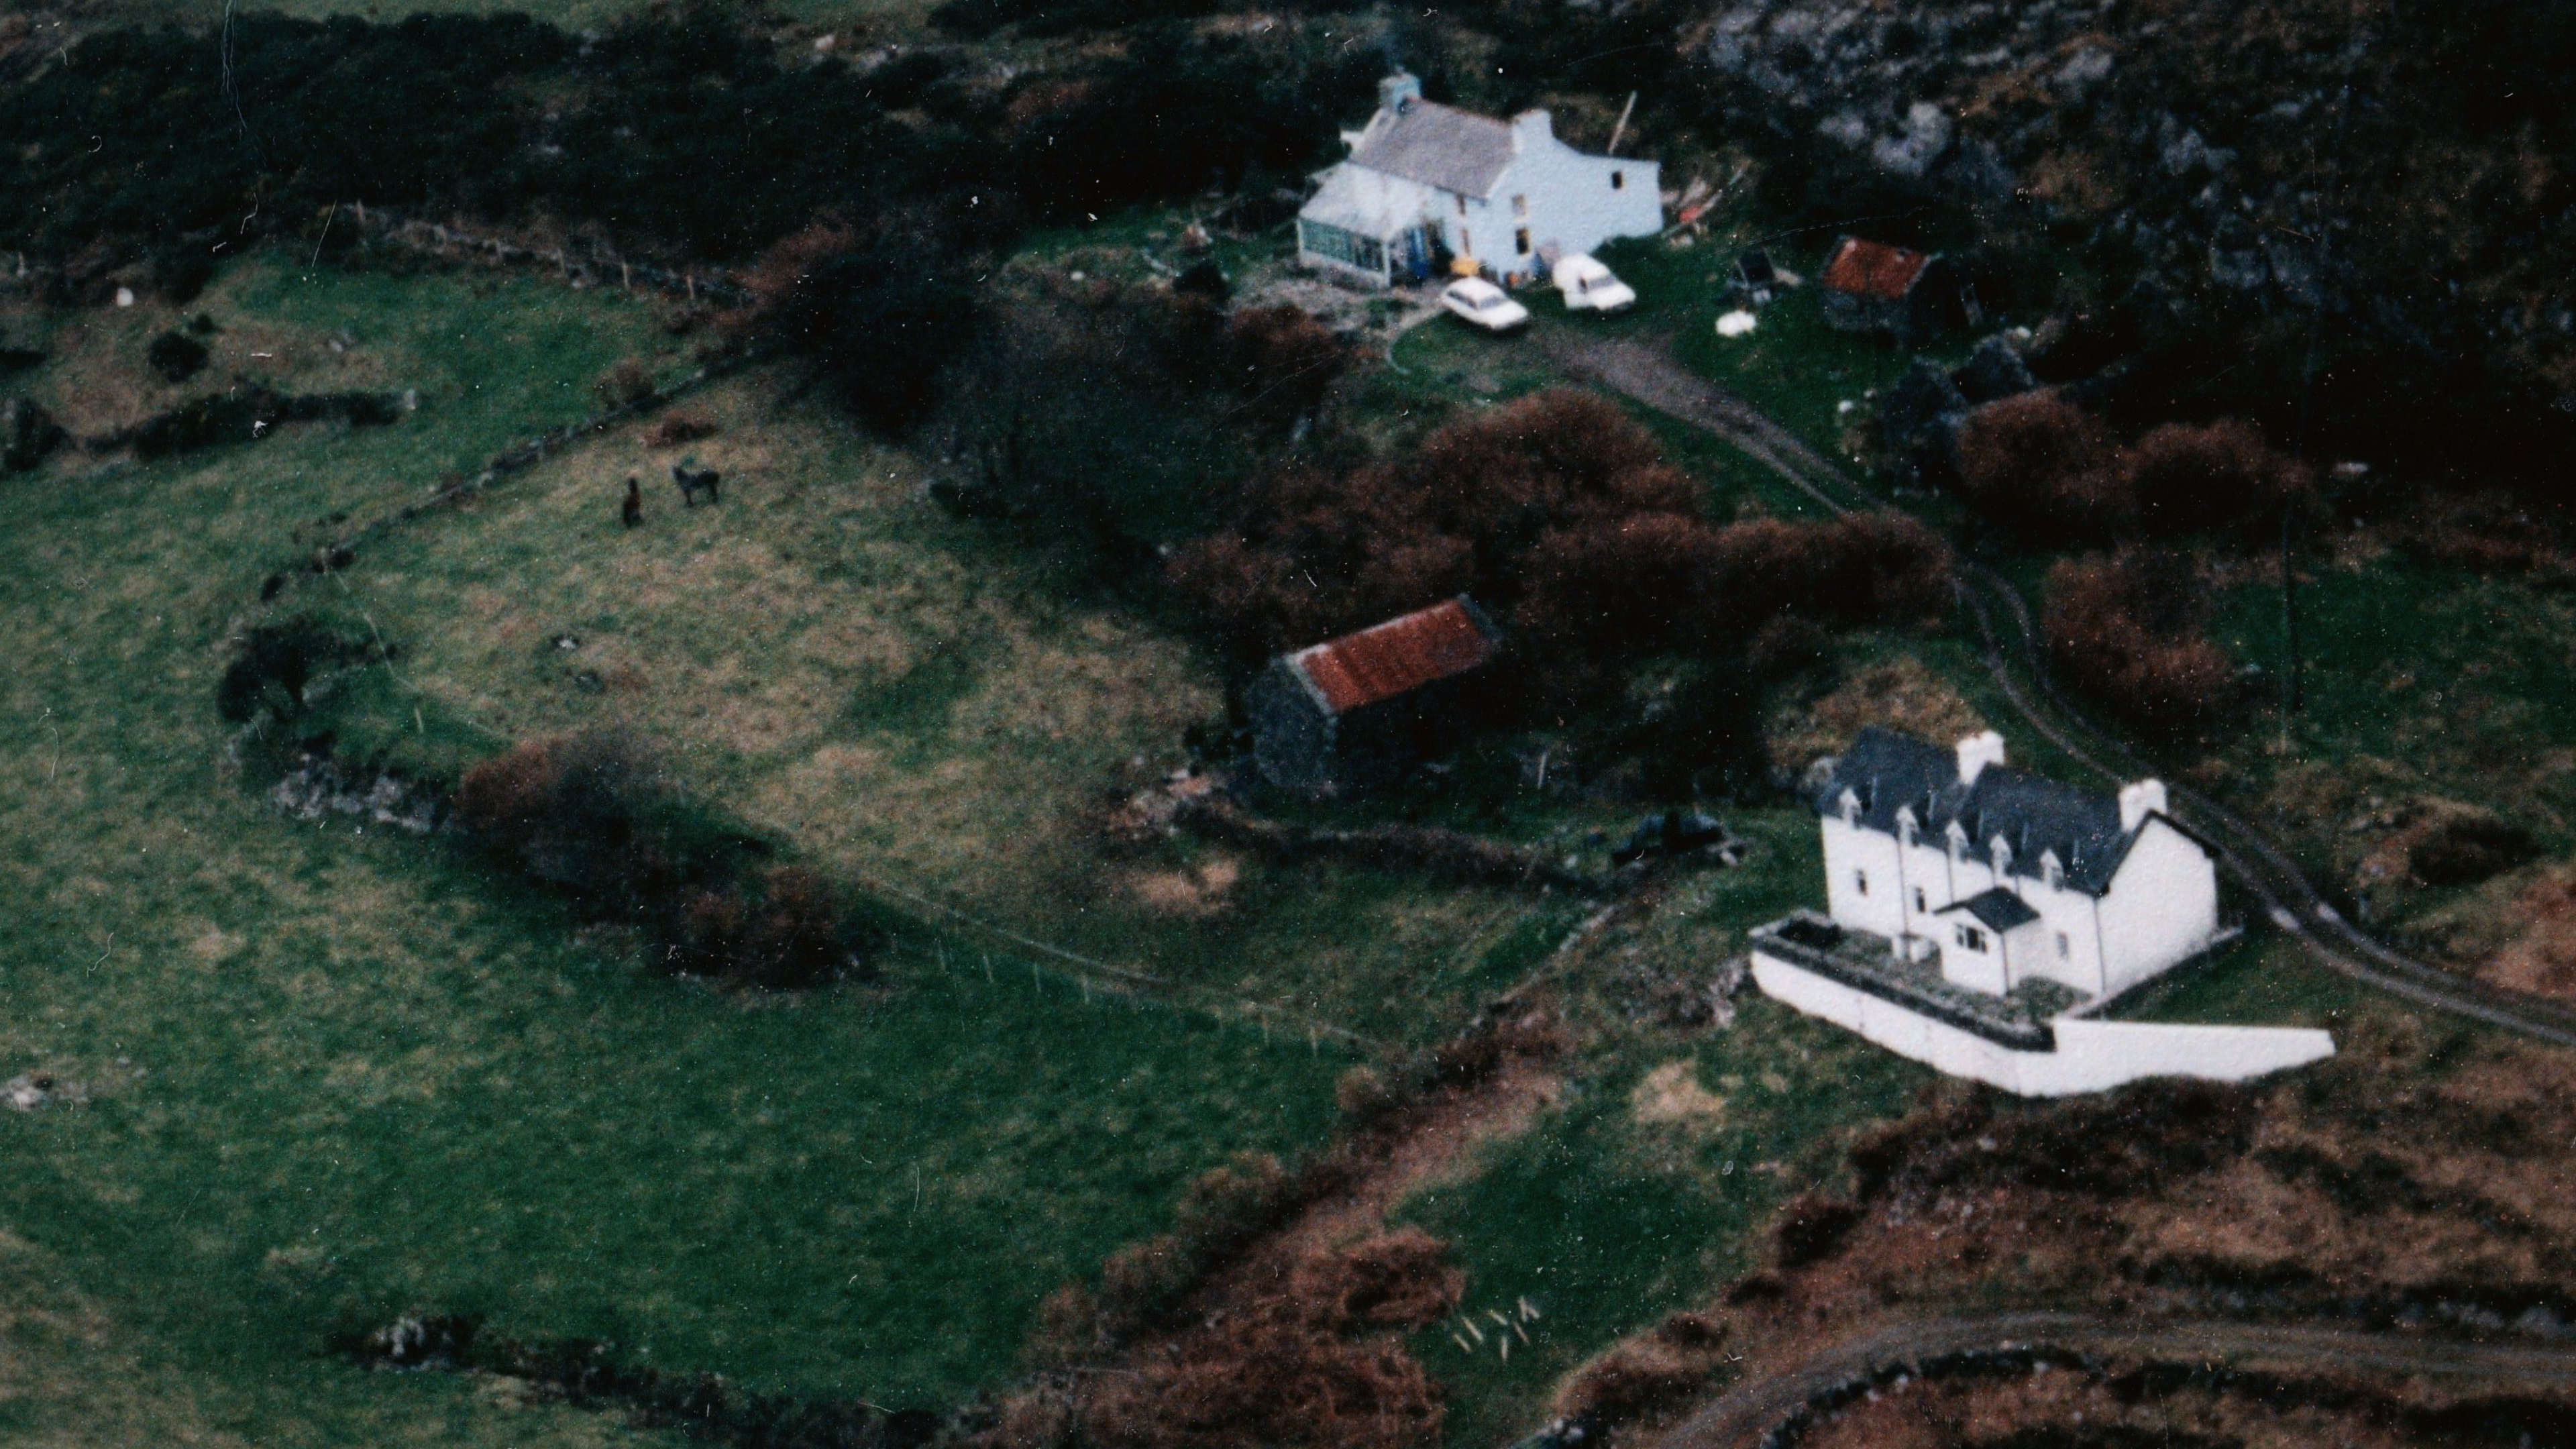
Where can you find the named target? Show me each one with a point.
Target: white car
(1589, 287)
(1476, 300)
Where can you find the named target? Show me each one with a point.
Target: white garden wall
(2091, 1056)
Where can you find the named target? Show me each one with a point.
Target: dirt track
(1648, 373)
(1750, 1409)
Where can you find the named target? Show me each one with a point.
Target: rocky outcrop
(2227, 168)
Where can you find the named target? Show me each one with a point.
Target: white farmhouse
(1507, 194)
(1978, 916)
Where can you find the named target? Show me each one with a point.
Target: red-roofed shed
(1873, 287)
(1356, 710)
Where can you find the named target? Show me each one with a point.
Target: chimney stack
(2138, 801)
(1978, 751)
(1398, 90)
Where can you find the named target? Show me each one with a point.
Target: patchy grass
(340, 1075)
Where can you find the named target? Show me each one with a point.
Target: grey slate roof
(1998, 909)
(1888, 772)
(1437, 145)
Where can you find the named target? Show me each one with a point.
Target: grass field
(335, 1075)
(1648, 1185)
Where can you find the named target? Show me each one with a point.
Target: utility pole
(2290, 683)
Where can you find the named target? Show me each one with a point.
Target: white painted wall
(2091, 1056)
(1572, 205)
(2162, 906)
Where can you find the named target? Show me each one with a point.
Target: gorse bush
(2048, 470)
(2127, 630)
(596, 818)
(1559, 514)
(275, 662)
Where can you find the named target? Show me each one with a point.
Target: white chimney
(2138, 801)
(1978, 751)
(1399, 90)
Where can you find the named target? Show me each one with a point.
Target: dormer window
(1850, 806)
(2001, 851)
(1958, 842)
(2049, 869)
(1905, 825)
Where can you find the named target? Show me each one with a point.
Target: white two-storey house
(2009, 876)
(1424, 177)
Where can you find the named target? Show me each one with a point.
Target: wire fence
(1089, 976)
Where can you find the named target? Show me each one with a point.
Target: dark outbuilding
(1357, 711)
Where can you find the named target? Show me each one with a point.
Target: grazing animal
(632, 511)
(694, 480)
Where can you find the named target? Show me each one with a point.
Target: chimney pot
(1978, 751)
(2138, 801)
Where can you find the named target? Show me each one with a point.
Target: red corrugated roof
(1385, 660)
(1874, 269)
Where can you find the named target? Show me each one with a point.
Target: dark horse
(693, 481)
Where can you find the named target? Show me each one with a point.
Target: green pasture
(337, 1074)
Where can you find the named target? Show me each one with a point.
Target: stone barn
(1359, 710)
(1873, 287)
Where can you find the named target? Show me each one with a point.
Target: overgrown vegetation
(2129, 630)
(680, 128)
(595, 817)
(1560, 515)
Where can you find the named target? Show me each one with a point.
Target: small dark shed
(1873, 287)
(1755, 278)
(1357, 711)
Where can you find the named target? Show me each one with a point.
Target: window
(1618, 180)
(1520, 206)
(1860, 881)
(1971, 939)
(2061, 946)
(1520, 241)
(1346, 247)
(1919, 903)
(1466, 248)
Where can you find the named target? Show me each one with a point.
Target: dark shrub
(2039, 464)
(2126, 629)
(585, 813)
(855, 299)
(273, 665)
(785, 928)
(679, 426)
(2469, 847)
(2187, 478)
(1812, 1228)
(627, 383)
(176, 357)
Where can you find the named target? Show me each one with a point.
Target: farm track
(1647, 373)
(1749, 1410)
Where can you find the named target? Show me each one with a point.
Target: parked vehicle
(1589, 286)
(1473, 299)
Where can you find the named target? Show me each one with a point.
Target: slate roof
(1437, 145)
(1874, 269)
(1399, 656)
(1889, 772)
(1999, 910)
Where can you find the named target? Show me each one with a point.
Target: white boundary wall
(2091, 1056)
